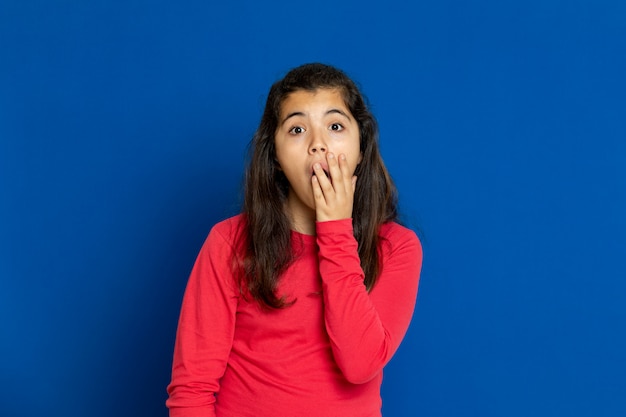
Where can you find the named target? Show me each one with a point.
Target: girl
(294, 307)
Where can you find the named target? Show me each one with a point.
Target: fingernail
(317, 165)
(343, 157)
(330, 156)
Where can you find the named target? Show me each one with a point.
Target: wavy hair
(268, 249)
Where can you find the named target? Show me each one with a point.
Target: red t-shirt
(321, 356)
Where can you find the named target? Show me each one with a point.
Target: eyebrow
(331, 111)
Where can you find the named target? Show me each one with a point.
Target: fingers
(339, 173)
(337, 168)
(318, 193)
(322, 180)
(334, 194)
(338, 179)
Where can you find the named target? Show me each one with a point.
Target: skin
(317, 134)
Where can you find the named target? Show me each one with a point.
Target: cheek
(289, 168)
(357, 155)
(356, 150)
(355, 165)
(351, 147)
(282, 158)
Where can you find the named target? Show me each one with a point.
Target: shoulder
(395, 232)
(396, 237)
(229, 232)
(230, 226)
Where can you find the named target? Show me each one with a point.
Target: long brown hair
(268, 250)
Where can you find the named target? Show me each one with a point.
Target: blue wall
(123, 128)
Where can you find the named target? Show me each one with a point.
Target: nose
(318, 143)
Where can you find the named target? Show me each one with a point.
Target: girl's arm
(205, 331)
(365, 329)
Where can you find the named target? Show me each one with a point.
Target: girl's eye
(336, 127)
(296, 130)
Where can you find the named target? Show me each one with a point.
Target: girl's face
(311, 124)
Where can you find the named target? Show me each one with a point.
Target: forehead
(321, 98)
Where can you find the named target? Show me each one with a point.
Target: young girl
(294, 307)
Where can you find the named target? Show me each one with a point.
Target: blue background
(123, 131)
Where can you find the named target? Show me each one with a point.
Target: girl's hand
(333, 196)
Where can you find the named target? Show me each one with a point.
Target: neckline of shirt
(306, 240)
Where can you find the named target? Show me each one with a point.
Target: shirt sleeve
(205, 331)
(365, 329)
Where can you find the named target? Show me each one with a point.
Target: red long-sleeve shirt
(321, 356)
